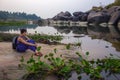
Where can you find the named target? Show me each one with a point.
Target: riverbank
(9, 59)
(12, 23)
(41, 38)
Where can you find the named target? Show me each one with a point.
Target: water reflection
(15, 29)
(99, 41)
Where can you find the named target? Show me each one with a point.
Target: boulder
(68, 14)
(76, 14)
(75, 18)
(84, 17)
(62, 16)
(115, 18)
(113, 9)
(98, 17)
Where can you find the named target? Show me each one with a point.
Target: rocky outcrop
(113, 9)
(115, 15)
(98, 17)
(63, 16)
(115, 18)
(111, 15)
(76, 14)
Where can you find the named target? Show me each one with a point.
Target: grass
(12, 23)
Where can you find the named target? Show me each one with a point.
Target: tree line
(18, 16)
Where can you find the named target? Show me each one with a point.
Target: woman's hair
(23, 30)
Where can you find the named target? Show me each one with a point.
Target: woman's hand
(35, 45)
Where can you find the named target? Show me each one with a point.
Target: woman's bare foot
(38, 54)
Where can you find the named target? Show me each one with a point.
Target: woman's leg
(21, 47)
(33, 48)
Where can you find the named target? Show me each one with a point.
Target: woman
(24, 43)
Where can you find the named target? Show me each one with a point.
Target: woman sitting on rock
(24, 43)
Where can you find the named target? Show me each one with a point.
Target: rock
(113, 9)
(76, 14)
(68, 14)
(115, 18)
(75, 18)
(84, 17)
(63, 16)
(98, 17)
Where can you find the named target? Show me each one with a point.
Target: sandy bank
(9, 59)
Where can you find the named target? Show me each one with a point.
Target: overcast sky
(49, 8)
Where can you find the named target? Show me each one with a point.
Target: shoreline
(10, 59)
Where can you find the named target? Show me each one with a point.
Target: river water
(98, 40)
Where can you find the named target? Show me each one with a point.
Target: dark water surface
(99, 41)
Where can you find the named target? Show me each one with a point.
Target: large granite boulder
(74, 18)
(68, 14)
(80, 16)
(98, 17)
(76, 14)
(62, 16)
(113, 9)
(84, 17)
(115, 18)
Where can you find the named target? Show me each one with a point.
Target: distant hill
(5, 15)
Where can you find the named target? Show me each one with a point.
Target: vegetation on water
(12, 23)
(63, 68)
(48, 39)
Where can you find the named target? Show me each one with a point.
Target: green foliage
(68, 46)
(87, 53)
(63, 68)
(116, 3)
(22, 59)
(37, 37)
(46, 38)
(39, 48)
(17, 16)
(78, 44)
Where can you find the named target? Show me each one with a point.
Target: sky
(49, 8)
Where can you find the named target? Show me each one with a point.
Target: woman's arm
(25, 42)
(27, 37)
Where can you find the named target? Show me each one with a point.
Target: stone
(68, 14)
(115, 18)
(76, 14)
(84, 17)
(75, 18)
(98, 17)
(113, 9)
(63, 16)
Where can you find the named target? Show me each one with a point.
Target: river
(98, 40)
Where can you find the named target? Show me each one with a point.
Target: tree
(17, 15)
(115, 3)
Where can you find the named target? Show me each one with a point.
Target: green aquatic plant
(78, 44)
(68, 46)
(46, 38)
(38, 48)
(63, 68)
